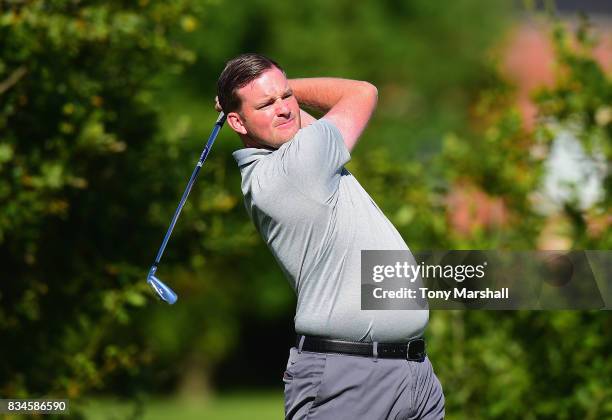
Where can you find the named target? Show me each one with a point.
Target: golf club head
(164, 292)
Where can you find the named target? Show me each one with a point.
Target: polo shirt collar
(250, 154)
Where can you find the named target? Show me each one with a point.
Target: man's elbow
(369, 91)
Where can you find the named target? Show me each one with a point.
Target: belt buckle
(421, 352)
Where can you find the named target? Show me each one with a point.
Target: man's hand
(349, 103)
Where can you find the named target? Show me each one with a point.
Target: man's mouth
(286, 124)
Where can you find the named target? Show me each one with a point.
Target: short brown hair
(239, 72)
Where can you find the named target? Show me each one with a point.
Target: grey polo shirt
(316, 218)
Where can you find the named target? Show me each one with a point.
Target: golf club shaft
(194, 176)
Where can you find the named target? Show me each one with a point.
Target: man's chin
(286, 135)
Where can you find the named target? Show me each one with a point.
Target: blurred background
(493, 131)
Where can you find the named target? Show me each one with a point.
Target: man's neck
(250, 142)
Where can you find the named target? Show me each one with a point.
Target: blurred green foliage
(235, 406)
(580, 103)
(77, 176)
(529, 364)
(103, 107)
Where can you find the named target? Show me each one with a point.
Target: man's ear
(235, 121)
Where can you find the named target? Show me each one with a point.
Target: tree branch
(12, 79)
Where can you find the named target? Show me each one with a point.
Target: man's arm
(349, 104)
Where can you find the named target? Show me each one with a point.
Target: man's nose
(282, 108)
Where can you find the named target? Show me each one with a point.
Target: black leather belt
(413, 350)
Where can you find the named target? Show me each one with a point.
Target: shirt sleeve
(315, 158)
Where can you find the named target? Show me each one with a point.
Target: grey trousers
(322, 386)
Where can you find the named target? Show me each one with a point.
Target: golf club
(164, 292)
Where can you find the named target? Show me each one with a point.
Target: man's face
(270, 114)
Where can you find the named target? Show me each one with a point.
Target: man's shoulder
(265, 180)
(322, 127)
(309, 165)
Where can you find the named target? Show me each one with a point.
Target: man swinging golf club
(316, 218)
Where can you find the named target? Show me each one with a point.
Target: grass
(252, 406)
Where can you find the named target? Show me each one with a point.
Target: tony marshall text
(425, 293)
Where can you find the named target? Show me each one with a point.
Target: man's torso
(316, 218)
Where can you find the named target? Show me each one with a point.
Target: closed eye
(287, 95)
(267, 104)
